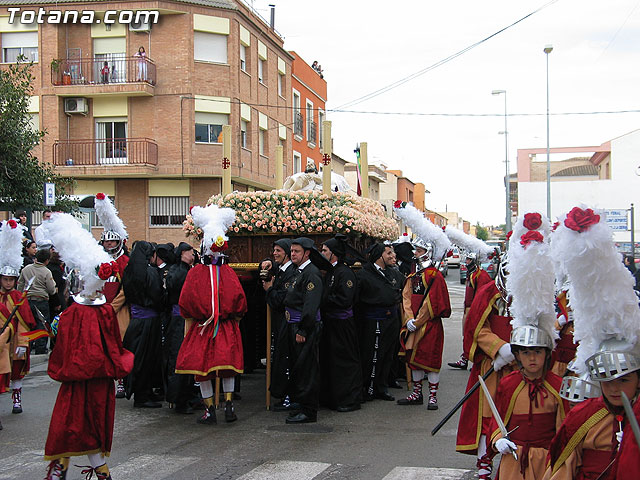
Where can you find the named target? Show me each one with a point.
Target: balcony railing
(311, 134)
(298, 124)
(95, 72)
(112, 151)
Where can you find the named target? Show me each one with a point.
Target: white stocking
(417, 375)
(434, 377)
(96, 459)
(482, 446)
(228, 384)
(206, 389)
(16, 384)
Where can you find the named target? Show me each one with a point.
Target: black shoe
(184, 409)
(229, 412)
(348, 408)
(395, 384)
(147, 404)
(209, 417)
(384, 396)
(302, 418)
(411, 401)
(281, 407)
(462, 364)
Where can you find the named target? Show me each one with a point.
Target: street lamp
(507, 182)
(547, 50)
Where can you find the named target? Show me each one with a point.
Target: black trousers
(143, 339)
(378, 338)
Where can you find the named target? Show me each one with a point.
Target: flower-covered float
(262, 217)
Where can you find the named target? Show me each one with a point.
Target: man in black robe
(276, 281)
(341, 370)
(143, 288)
(379, 296)
(304, 328)
(179, 388)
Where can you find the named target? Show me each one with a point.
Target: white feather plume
(424, 229)
(469, 243)
(603, 301)
(11, 245)
(214, 222)
(108, 216)
(78, 249)
(531, 280)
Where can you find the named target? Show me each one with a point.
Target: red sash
(594, 462)
(537, 434)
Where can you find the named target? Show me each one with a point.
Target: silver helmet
(503, 271)
(425, 260)
(76, 284)
(578, 389)
(9, 271)
(472, 261)
(531, 336)
(607, 365)
(108, 235)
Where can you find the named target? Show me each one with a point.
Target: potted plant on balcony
(66, 76)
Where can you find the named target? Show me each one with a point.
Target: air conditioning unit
(139, 26)
(76, 105)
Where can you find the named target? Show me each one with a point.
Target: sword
(460, 403)
(496, 415)
(631, 417)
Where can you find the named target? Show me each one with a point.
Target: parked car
(490, 267)
(454, 259)
(444, 267)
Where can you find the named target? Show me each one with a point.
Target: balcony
(134, 155)
(312, 128)
(298, 123)
(90, 77)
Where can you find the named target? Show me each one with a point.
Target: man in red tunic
(87, 358)
(112, 239)
(486, 339)
(14, 348)
(425, 302)
(212, 303)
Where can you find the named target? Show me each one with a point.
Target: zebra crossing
(163, 467)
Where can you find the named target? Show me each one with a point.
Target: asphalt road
(380, 441)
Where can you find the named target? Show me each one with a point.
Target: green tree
(482, 233)
(22, 176)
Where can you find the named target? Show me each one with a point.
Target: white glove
(411, 326)
(505, 446)
(619, 437)
(562, 320)
(504, 357)
(20, 351)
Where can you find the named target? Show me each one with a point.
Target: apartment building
(308, 98)
(146, 129)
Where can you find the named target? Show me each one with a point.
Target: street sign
(49, 194)
(617, 219)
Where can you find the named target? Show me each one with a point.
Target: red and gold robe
(422, 348)
(585, 444)
(535, 407)
(12, 367)
(87, 358)
(485, 332)
(114, 294)
(214, 349)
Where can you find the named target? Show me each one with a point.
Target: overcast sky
(366, 45)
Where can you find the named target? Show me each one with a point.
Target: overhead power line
(419, 73)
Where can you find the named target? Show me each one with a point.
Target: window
(167, 211)
(263, 142)
(297, 162)
(210, 47)
(320, 127)
(298, 122)
(111, 141)
(261, 70)
(15, 44)
(34, 121)
(281, 84)
(243, 58)
(244, 128)
(311, 125)
(209, 127)
(116, 67)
